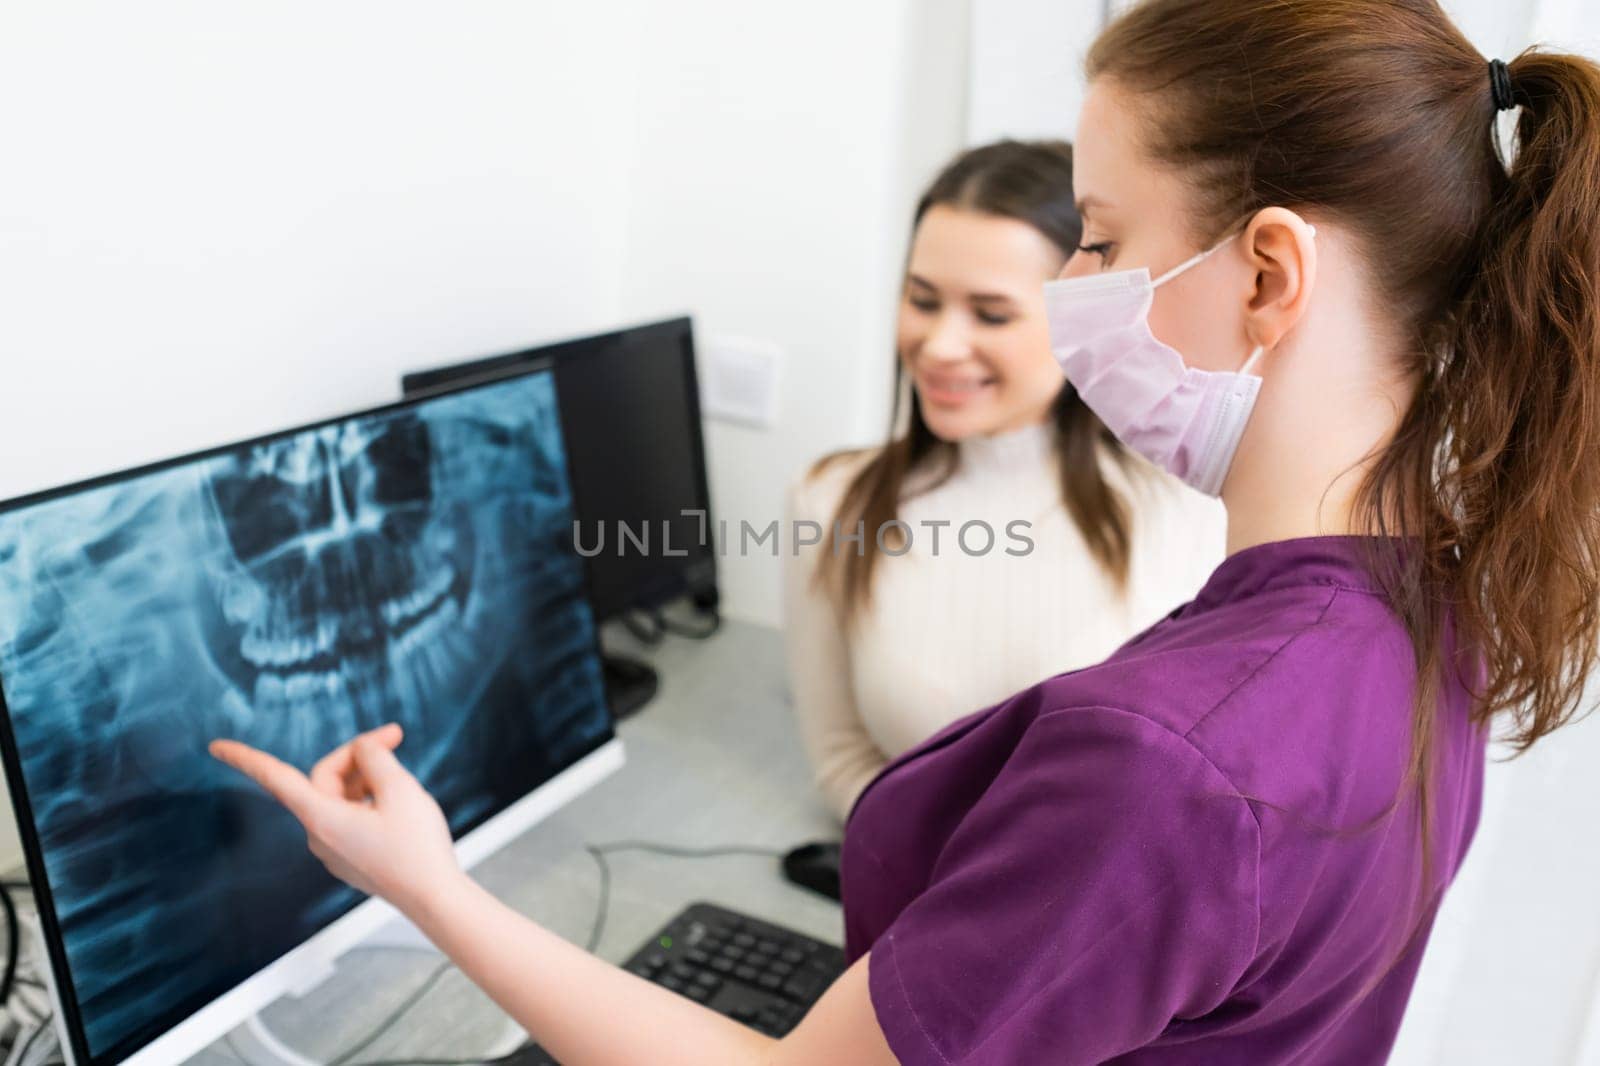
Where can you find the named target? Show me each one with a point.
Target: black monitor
(412, 563)
(630, 405)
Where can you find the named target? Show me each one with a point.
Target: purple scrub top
(1190, 853)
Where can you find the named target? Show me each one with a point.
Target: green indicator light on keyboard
(666, 942)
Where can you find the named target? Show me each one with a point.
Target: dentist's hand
(369, 821)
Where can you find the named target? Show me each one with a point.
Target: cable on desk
(596, 931)
(480, 1061)
(597, 928)
(713, 622)
(8, 980)
(19, 1056)
(646, 626)
(599, 852)
(382, 1027)
(677, 851)
(27, 1036)
(399, 1012)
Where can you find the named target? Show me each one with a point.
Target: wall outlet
(739, 380)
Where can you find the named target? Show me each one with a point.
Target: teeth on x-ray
(398, 613)
(410, 566)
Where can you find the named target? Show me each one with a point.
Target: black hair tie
(1500, 86)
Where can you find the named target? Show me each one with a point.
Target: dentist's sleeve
(842, 753)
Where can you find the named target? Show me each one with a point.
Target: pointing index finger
(283, 782)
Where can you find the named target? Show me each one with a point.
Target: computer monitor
(412, 563)
(630, 404)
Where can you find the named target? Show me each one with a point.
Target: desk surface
(713, 760)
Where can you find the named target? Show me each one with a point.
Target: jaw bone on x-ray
(414, 565)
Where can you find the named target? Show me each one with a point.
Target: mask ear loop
(1191, 261)
(1200, 256)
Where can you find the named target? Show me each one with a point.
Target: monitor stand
(255, 1042)
(630, 683)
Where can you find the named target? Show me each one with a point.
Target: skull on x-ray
(342, 605)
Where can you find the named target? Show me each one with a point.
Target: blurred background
(221, 220)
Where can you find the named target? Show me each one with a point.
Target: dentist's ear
(1282, 248)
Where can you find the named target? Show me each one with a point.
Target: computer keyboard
(754, 972)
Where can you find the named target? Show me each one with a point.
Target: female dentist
(1227, 842)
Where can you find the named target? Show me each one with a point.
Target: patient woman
(1078, 543)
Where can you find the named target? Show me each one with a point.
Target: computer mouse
(814, 866)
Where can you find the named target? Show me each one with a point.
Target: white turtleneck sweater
(948, 634)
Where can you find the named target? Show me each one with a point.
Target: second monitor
(630, 406)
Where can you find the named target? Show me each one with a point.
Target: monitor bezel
(312, 959)
(680, 329)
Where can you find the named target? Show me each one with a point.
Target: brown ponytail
(1515, 409)
(1380, 114)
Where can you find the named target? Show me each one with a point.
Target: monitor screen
(411, 564)
(631, 407)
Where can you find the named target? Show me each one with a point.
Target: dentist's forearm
(583, 1011)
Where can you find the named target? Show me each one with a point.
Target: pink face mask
(1186, 421)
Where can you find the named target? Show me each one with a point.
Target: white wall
(778, 161)
(217, 220)
(1026, 76)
